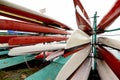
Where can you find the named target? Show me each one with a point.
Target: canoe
(104, 71)
(109, 42)
(50, 71)
(35, 48)
(27, 40)
(73, 63)
(4, 52)
(84, 68)
(82, 17)
(77, 41)
(12, 61)
(111, 60)
(18, 12)
(110, 17)
(82, 9)
(28, 27)
(83, 25)
(78, 37)
(5, 39)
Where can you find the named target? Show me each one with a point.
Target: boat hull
(28, 27)
(104, 71)
(73, 63)
(27, 40)
(110, 42)
(32, 49)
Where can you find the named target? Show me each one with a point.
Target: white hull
(105, 72)
(110, 42)
(4, 45)
(73, 63)
(35, 48)
(83, 71)
(77, 38)
(54, 55)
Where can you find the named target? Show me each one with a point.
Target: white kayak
(77, 38)
(73, 63)
(83, 71)
(104, 71)
(110, 42)
(35, 48)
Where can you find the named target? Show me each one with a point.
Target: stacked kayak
(28, 35)
(77, 57)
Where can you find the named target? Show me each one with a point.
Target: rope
(112, 30)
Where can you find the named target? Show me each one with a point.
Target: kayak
(109, 42)
(18, 12)
(12, 61)
(82, 18)
(5, 39)
(110, 17)
(50, 71)
(27, 40)
(32, 49)
(76, 42)
(73, 63)
(28, 27)
(78, 37)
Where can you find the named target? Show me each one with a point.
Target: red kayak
(111, 60)
(28, 27)
(110, 17)
(11, 10)
(5, 39)
(25, 40)
(83, 22)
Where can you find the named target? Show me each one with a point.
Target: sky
(63, 10)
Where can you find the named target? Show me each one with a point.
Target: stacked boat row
(91, 51)
(29, 35)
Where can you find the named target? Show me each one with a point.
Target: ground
(21, 71)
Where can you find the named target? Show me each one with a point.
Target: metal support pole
(94, 39)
